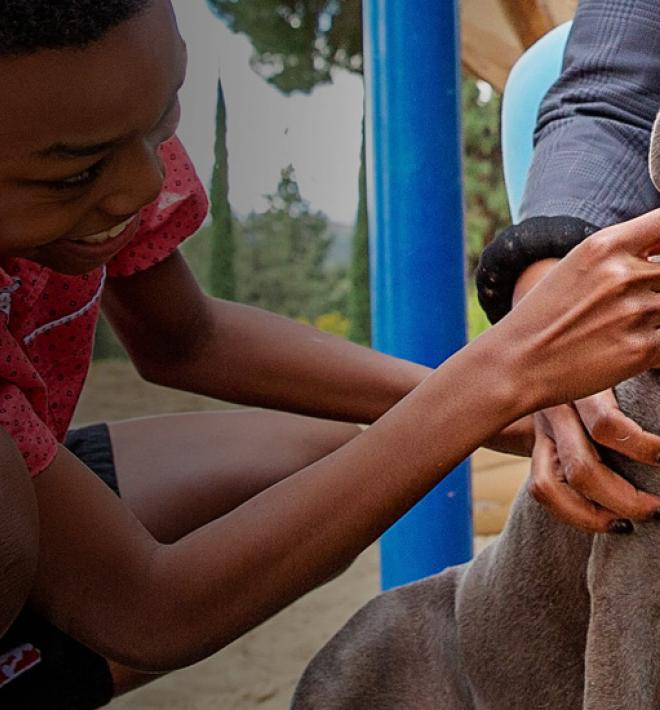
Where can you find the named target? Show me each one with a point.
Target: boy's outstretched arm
(177, 336)
(19, 532)
(105, 580)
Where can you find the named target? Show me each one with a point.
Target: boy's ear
(654, 153)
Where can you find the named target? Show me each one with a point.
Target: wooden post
(530, 19)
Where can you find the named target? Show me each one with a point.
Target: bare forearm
(101, 572)
(257, 358)
(518, 438)
(305, 528)
(164, 606)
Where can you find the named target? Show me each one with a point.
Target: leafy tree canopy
(487, 208)
(282, 256)
(297, 43)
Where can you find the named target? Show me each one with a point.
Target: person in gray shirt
(589, 171)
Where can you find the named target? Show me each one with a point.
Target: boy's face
(79, 138)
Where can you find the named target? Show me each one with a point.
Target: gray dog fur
(546, 618)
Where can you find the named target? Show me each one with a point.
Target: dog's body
(547, 617)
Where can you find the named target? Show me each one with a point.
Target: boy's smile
(80, 131)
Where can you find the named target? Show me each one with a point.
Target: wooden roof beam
(530, 19)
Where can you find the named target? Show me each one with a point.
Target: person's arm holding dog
(589, 171)
(103, 579)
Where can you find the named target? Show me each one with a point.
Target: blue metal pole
(417, 254)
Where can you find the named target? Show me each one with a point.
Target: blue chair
(529, 80)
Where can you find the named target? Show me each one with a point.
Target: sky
(319, 134)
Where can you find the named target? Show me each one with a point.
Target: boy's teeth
(105, 236)
(96, 239)
(116, 231)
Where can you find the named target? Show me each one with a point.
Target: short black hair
(27, 26)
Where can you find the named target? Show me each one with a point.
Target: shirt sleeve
(594, 126)
(22, 397)
(177, 213)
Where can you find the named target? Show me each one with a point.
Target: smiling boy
(163, 539)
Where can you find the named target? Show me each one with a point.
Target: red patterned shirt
(47, 319)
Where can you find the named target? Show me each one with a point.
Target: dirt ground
(260, 669)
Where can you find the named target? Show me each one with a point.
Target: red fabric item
(48, 320)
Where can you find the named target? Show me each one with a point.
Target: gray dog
(547, 617)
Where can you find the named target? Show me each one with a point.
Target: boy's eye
(86, 177)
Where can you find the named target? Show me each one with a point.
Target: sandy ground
(260, 669)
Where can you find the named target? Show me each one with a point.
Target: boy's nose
(138, 184)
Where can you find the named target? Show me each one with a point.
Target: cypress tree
(222, 279)
(359, 299)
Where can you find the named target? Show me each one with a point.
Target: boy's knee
(19, 532)
(17, 570)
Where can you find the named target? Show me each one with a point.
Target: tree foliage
(359, 298)
(487, 210)
(282, 255)
(222, 281)
(297, 43)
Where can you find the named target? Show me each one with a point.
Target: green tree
(281, 256)
(222, 280)
(487, 210)
(297, 44)
(359, 299)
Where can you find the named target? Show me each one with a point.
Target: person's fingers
(610, 427)
(642, 273)
(584, 471)
(638, 236)
(548, 486)
(634, 277)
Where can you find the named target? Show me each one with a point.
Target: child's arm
(104, 580)
(19, 532)
(179, 337)
(249, 356)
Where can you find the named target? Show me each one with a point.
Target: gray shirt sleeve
(594, 126)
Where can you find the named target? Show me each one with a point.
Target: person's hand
(516, 439)
(592, 321)
(568, 475)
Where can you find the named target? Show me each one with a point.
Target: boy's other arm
(179, 337)
(19, 532)
(104, 580)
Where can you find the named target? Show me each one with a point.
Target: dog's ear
(654, 153)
